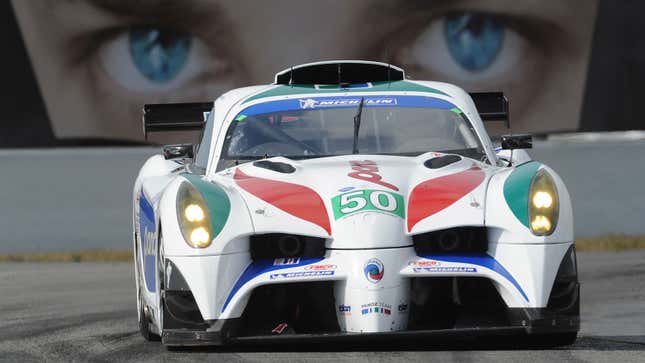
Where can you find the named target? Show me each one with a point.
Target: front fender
(509, 226)
(233, 228)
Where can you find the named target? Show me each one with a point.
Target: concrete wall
(71, 199)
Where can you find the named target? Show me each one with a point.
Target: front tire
(144, 323)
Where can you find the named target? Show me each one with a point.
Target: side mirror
(178, 151)
(514, 142)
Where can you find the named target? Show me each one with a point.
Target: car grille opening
(181, 311)
(277, 245)
(454, 302)
(565, 292)
(306, 308)
(459, 240)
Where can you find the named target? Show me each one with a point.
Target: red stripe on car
(434, 195)
(295, 199)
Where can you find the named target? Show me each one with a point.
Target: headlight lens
(543, 204)
(194, 218)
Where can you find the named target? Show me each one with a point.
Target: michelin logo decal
(444, 269)
(310, 103)
(300, 274)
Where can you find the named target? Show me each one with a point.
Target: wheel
(142, 317)
(144, 322)
(160, 282)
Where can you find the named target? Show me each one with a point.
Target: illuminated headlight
(543, 204)
(194, 218)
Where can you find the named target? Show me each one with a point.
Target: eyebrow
(193, 12)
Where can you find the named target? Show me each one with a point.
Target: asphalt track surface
(87, 312)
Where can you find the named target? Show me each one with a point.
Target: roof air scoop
(340, 72)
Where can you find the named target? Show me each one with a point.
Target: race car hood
(364, 201)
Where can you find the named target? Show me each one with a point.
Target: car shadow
(583, 343)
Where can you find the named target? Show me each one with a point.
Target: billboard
(81, 70)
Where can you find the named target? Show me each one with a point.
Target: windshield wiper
(357, 125)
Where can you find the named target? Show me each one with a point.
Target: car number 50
(354, 201)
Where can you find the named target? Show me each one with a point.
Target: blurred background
(76, 74)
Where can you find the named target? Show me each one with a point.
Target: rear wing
(492, 106)
(175, 117)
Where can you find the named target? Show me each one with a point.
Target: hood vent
(441, 161)
(275, 166)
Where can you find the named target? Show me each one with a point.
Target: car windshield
(325, 127)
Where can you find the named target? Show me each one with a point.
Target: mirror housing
(178, 151)
(514, 142)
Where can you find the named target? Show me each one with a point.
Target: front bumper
(527, 323)
(481, 297)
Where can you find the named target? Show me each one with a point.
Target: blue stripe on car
(147, 235)
(370, 101)
(484, 261)
(260, 267)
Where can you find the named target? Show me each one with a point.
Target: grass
(613, 243)
(79, 256)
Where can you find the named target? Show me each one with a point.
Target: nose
(374, 297)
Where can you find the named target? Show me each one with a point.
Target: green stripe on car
(516, 190)
(296, 89)
(216, 199)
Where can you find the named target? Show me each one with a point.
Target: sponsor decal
(320, 267)
(288, 275)
(368, 200)
(298, 200)
(403, 308)
(344, 309)
(147, 242)
(367, 170)
(286, 261)
(485, 261)
(444, 269)
(345, 189)
(376, 308)
(374, 270)
(424, 263)
(149, 239)
(310, 103)
(280, 328)
(261, 267)
(435, 195)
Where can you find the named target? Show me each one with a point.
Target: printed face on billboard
(97, 62)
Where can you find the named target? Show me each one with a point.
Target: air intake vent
(339, 72)
(275, 166)
(468, 240)
(565, 293)
(276, 245)
(441, 161)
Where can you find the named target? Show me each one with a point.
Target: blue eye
(474, 39)
(159, 54)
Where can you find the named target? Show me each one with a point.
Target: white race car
(346, 201)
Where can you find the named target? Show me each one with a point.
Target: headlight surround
(544, 205)
(193, 216)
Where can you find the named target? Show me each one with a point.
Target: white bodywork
(521, 265)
